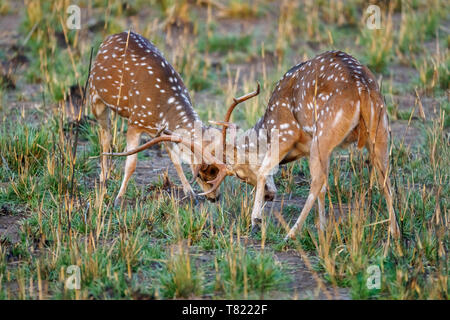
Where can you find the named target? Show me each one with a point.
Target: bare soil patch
(408, 134)
(9, 224)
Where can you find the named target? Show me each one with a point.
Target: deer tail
(373, 118)
(364, 121)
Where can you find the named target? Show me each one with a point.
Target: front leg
(275, 153)
(259, 202)
(187, 189)
(263, 175)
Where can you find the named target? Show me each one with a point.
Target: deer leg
(266, 167)
(133, 135)
(318, 182)
(187, 189)
(321, 148)
(262, 176)
(379, 158)
(322, 145)
(321, 203)
(101, 113)
(386, 185)
(106, 138)
(259, 200)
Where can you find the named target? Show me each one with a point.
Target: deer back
(132, 77)
(330, 87)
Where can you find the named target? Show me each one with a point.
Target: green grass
(181, 279)
(241, 271)
(219, 43)
(160, 247)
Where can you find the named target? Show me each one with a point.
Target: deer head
(241, 164)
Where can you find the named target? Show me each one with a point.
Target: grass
(240, 272)
(161, 247)
(181, 279)
(219, 43)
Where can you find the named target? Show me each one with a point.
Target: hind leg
(321, 203)
(379, 155)
(319, 168)
(323, 143)
(101, 113)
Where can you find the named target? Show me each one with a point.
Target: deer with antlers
(131, 77)
(327, 102)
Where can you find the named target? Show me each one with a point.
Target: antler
(236, 101)
(226, 123)
(169, 136)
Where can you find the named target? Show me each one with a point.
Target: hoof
(256, 226)
(194, 198)
(118, 203)
(269, 196)
(255, 229)
(289, 236)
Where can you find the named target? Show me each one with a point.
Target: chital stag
(131, 77)
(329, 101)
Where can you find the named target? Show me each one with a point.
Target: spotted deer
(327, 102)
(131, 77)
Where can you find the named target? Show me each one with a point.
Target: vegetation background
(54, 214)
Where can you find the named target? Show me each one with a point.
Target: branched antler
(226, 123)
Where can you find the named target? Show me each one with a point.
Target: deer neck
(264, 136)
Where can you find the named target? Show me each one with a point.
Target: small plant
(433, 72)
(4, 7)
(240, 9)
(247, 272)
(378, 43)
(24, 149)
(182, 279)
